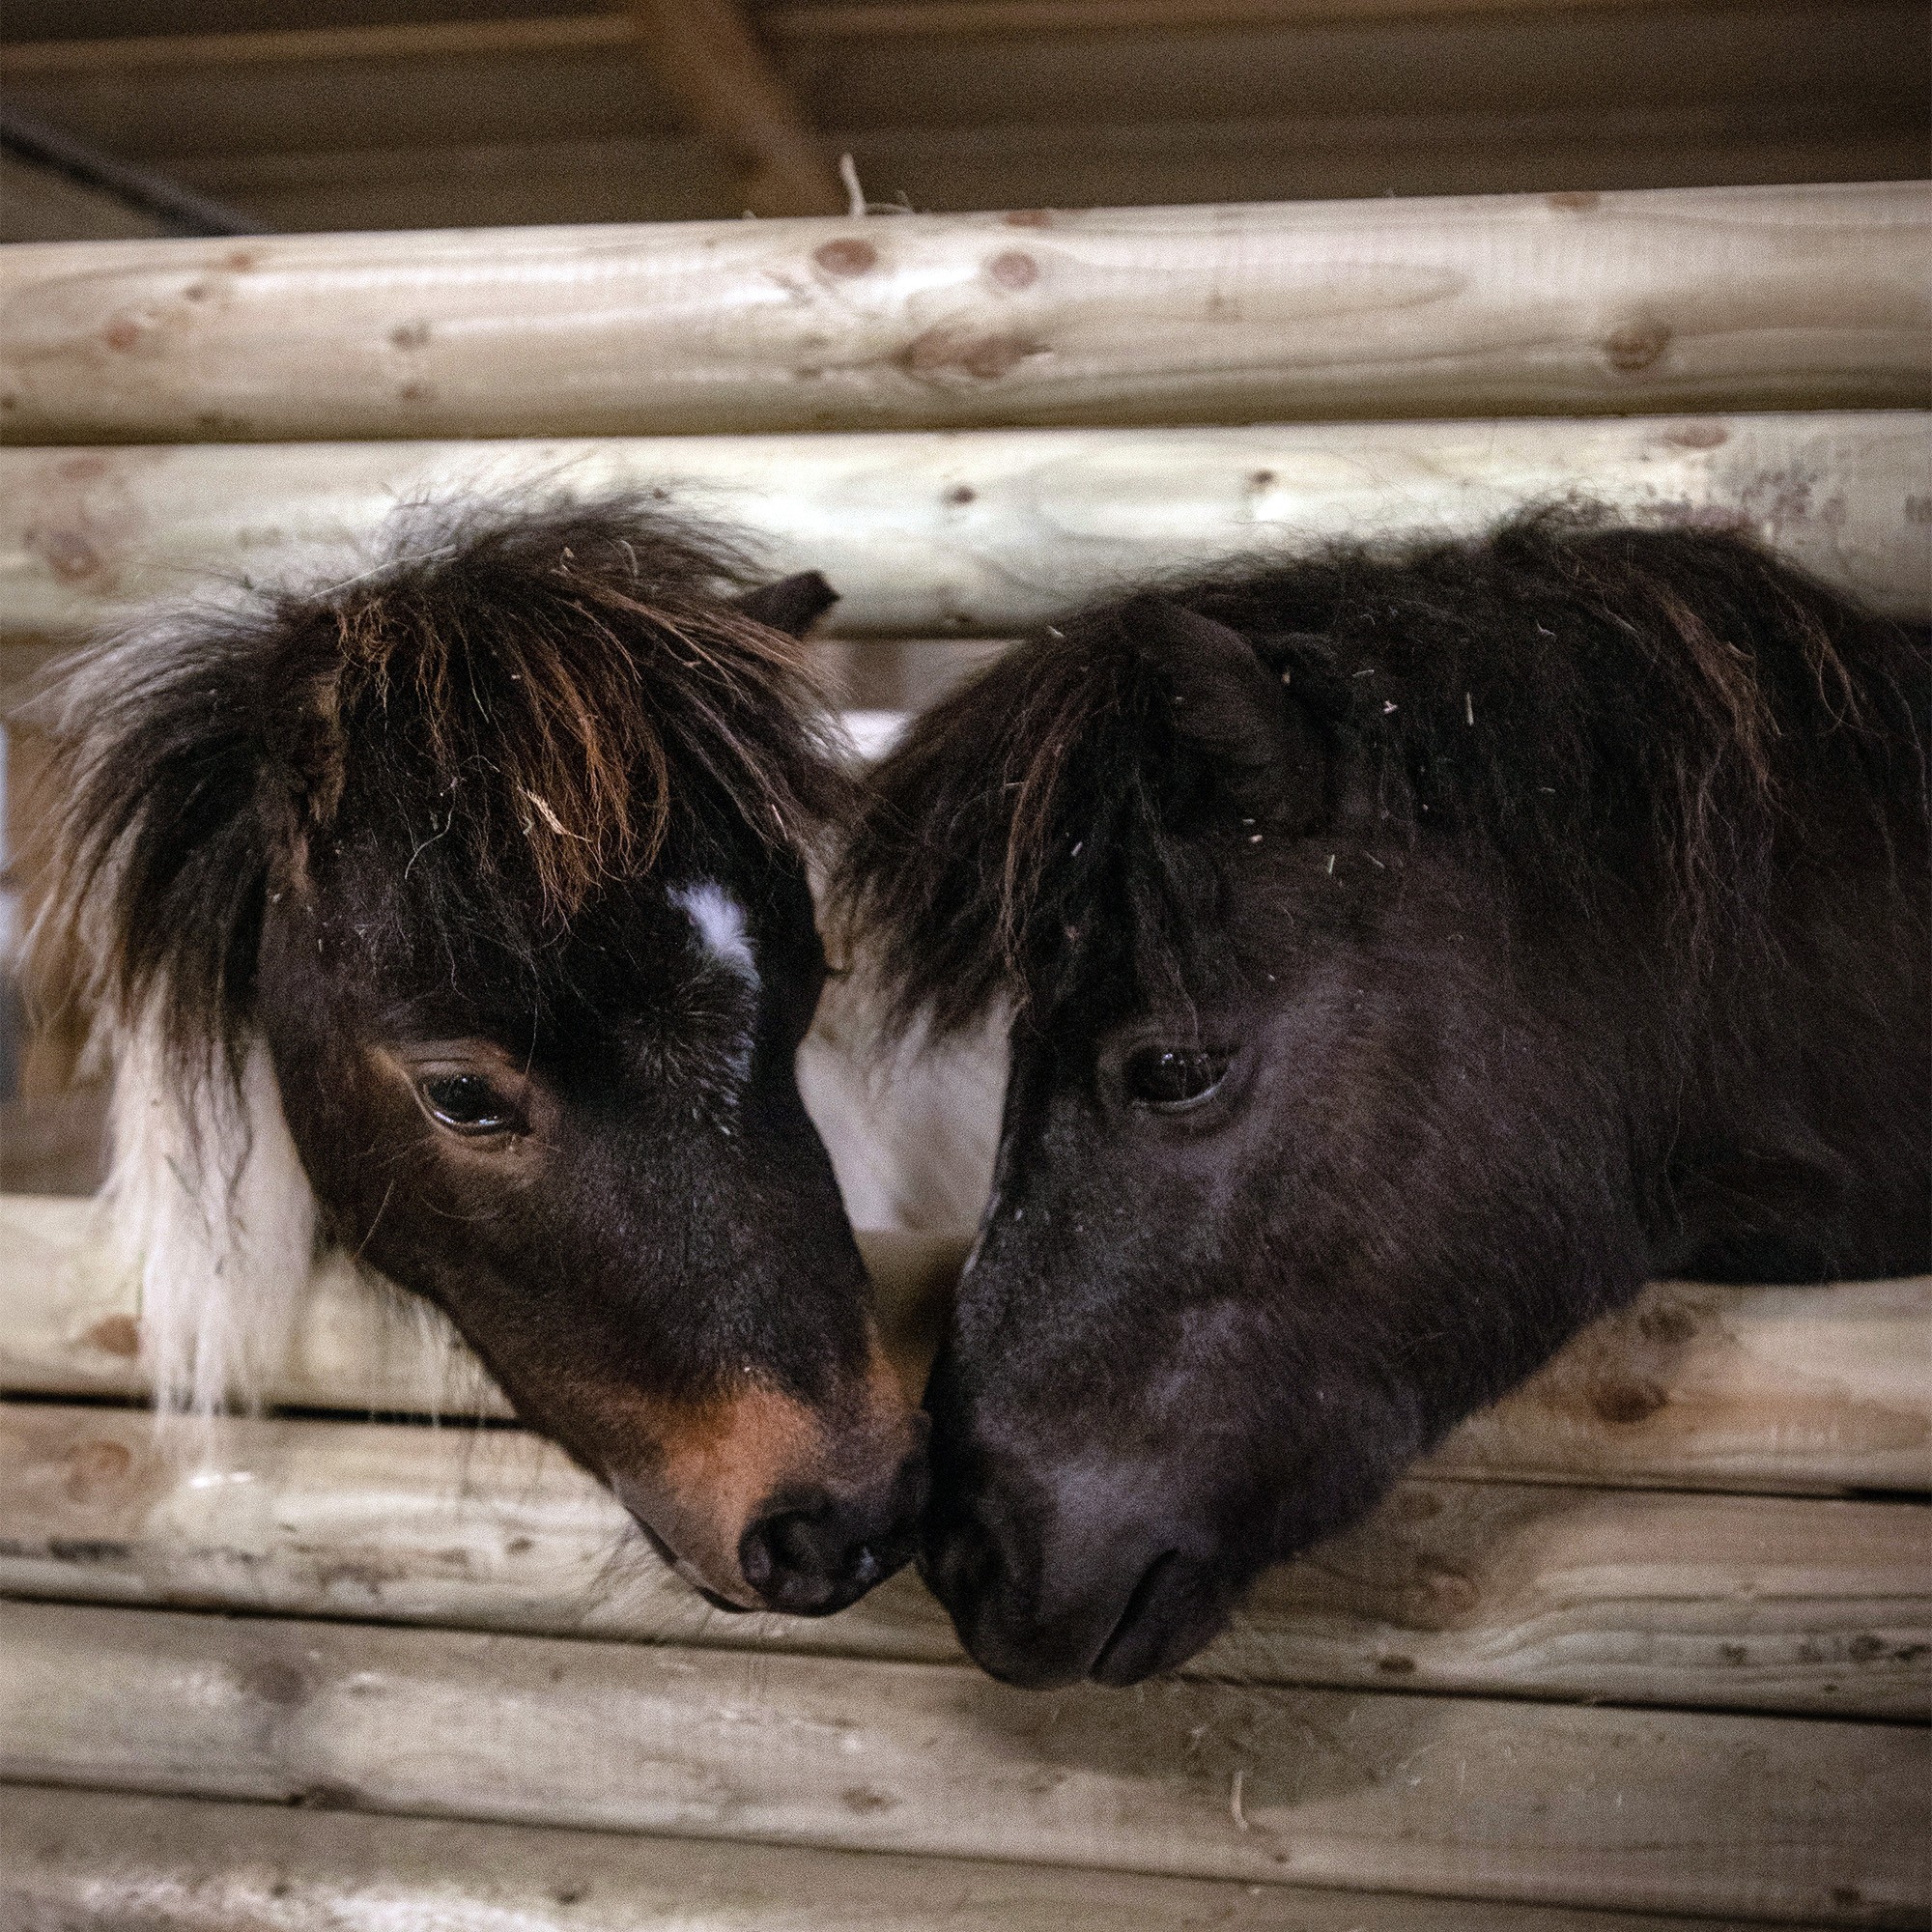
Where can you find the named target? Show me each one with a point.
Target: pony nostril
(818, 1556)
(754, 1558)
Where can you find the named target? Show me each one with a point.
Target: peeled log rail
(986, 532)
(117, 1862)
(1638, 1596)
(1736, 298)
(1779, 1389)
(1792, 1818)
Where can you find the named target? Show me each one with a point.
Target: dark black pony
(456, 911)
(1412, 954)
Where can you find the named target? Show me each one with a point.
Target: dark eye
(466, 1103)
(1170, 1078)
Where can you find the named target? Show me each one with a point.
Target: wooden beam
(1634, 1597)
(1773, 1389)
(788, 23)
(171, 1864)
(26, 61)
(38, 204)
(1809, 1819)
(812, 19)
(928, 535)
(144, 191)
(1681, 298)
(659, 176)
(708, 56)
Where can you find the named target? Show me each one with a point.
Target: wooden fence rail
(985, 531)
(1641, 1597)
(1815, 298)
(118, 1863)
(1785, 1818)
(1771, 1390)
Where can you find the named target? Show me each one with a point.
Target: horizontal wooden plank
(1685, 299)
(1695, 1385)
(990, 530)
(1752, 1388)
(1744, 1603)
(1793, 1818)
(120, 1862)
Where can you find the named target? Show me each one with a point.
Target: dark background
(358, 114)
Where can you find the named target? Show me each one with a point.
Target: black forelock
(1024, 829)
(1571, 703)
(525, 703)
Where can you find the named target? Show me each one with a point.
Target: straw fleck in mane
(1578, 708)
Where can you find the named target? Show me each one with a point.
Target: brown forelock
(1010, 814)
(558, 674)
(565, 671)
(703, 1471)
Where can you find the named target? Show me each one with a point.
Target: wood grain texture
(985, 531)
(1773, 1389)
(1741, 1603)
(1681, 298)
(1804, 1819)
(118, 1863)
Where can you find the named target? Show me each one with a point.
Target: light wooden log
(1773, 1389)
(1640, 1597)
(69, 1316)
(1791, 1818)
(118, 1863)
(1734, 299)
(991, 531)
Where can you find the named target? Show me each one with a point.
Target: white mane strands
(207, 1200)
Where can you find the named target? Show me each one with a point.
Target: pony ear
(792, 605)
(1260, 747)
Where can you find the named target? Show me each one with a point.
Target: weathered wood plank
(118, 1863)
(1771, 1388)
(1547, 1803)
(1680, 299)
(1751, 1388)
(1741, 1603)
(992, 530)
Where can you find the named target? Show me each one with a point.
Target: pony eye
(466, 1103)
(1170, 1078)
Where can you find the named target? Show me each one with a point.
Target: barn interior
(358, 114)
(1648, 1648)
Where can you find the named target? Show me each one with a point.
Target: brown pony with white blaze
(456, 913)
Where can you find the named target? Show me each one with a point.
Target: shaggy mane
(533, 699)
(1580, 707)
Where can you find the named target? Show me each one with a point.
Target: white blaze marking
(720, 921)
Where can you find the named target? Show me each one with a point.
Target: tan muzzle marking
(711, 1466)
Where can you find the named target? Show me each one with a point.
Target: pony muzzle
(762, 1502)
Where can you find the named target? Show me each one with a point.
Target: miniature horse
(457, 913)
(1412, 954)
